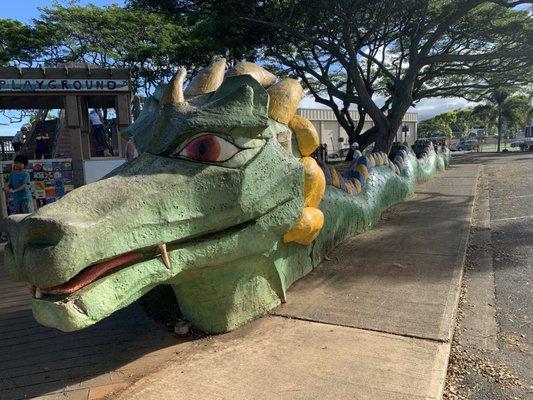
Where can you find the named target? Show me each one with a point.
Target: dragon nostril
(44, 232)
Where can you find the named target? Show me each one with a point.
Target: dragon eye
(209, 148)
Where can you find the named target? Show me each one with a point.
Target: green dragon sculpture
(224, 203)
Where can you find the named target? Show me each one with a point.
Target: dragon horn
(174, 92)
(208, 80)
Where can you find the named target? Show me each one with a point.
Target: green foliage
(151, 44)
(19, 43)
(502, 109)
(457, 123)
(505, 109)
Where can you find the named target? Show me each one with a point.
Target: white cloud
(426, 108)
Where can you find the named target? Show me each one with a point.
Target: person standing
(19, 139)
(19, 180)
(41, 145)
(355, 150)
(97, 130)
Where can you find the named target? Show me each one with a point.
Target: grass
(492, 148)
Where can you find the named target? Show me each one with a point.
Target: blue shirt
(16, 179)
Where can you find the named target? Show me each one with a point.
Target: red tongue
(90, 274)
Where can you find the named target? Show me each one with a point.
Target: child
(19, 180)
(41, 145)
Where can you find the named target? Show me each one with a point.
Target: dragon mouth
(101, 269)
(90, 274)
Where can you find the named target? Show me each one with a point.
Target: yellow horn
(284, 99)
(207, 80)
(260, 74)
(174, 92)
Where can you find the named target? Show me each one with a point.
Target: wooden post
(73, 124)
(3, 200)
(123, 108)
(85, 128)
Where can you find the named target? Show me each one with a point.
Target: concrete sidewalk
(374, 322)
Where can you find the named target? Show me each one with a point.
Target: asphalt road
(497, 365)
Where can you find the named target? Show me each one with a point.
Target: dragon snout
(30, 238)
(38, 231)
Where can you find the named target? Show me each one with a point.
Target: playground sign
(76, 85)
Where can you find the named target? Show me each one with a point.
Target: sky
(26, 10)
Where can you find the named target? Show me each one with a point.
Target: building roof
(326, 114)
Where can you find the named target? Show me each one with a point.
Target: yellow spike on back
(357, 185)
(284, 99)
(314, 182)
(307, 228)
(260, 74)
(363, 170)
(207, 80)
(306, 134)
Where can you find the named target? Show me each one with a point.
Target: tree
(465, 121)
(347, 52)
(457, 123)
(19, 43)
(213, 30)
(504, 108)
(151, 44)
(440, 125)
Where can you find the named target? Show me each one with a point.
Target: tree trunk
(385, 135)
(499, 127)
(383, 140)
(354, 135)
(394, 119)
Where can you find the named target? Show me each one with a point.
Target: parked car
(467, 145)
(524, 144)
(339, 154)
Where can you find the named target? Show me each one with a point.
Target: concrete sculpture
(225, 203)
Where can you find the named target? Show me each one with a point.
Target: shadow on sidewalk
(36, 360)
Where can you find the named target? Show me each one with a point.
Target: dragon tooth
(162, 248)
(38, 293)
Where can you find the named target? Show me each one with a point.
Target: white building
(332, 134)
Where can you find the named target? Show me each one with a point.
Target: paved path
(492, 353)
(41, 362)
(375, 322)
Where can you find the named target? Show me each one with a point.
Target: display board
(98, 167)
(50, 180)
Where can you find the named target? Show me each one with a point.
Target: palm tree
(504, 107)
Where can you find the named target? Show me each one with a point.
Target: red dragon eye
(209, 148)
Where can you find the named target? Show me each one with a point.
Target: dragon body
(224, 204)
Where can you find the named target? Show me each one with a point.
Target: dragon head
(221, 182)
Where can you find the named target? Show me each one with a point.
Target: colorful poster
(50, 180)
